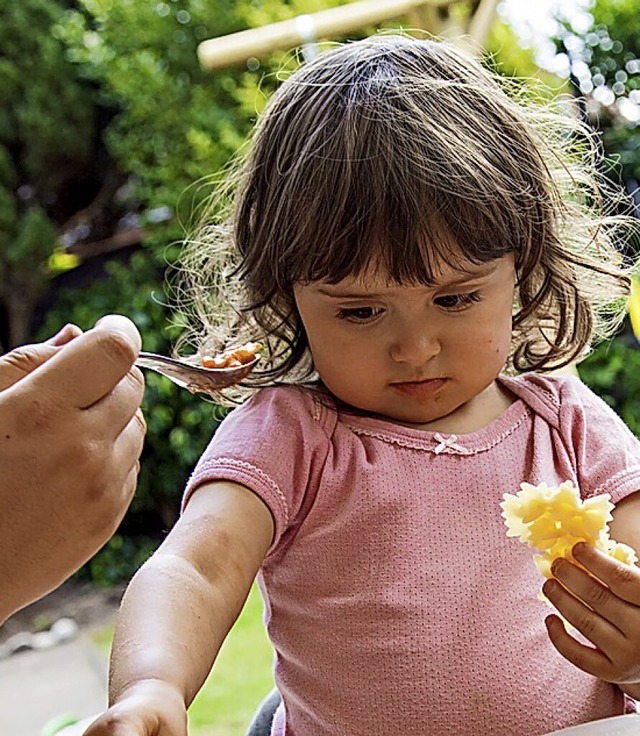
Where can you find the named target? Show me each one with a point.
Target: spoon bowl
(196, 378)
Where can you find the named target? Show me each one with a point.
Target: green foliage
(119, 559)
(241, 677)
(604, 61)
(613, 372)
(512, 59)
(46, 137)
(605, 64)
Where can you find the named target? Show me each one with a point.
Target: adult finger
(127, 492)
(65, 335)
(128, 445)
(113, 412)
(90, 366)
(17, 364)
(120, 323)
(113, 477)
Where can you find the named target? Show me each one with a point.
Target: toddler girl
(415, 249)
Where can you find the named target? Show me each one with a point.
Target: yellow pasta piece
(552, 519)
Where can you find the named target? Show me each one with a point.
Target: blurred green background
(110, 137)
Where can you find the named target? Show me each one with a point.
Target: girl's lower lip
(420, 389)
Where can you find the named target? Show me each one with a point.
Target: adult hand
(71, 433)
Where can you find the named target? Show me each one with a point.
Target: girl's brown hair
(383, 153)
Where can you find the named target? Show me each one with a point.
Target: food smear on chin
(552, 519)
(233, 357)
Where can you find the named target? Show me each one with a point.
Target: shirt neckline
(437, 441)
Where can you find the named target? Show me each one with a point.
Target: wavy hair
(382, 153)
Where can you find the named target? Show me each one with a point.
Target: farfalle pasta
(552, 519)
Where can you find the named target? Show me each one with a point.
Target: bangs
(386, 222)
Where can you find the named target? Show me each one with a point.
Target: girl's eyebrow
(335, 292)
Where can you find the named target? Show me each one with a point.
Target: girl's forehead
(445, 274)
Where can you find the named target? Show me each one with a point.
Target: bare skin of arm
(179, 608)
(71, 434)
(604, 606)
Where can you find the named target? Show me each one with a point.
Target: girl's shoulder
(603, 452)
(567, 403)
(280, 408)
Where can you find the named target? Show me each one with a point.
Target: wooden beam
(236, 48)
(479, 24)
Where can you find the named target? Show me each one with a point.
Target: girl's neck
(473, 416)
(476, 414)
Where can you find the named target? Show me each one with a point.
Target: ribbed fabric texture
(395, 602)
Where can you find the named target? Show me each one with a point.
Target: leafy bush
(613, 372)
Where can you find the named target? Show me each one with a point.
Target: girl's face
(423, 356)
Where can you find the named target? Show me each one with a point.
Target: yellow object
(553, 519)
(634, 307)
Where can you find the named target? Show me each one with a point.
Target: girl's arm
(604, 605)
(179, 608)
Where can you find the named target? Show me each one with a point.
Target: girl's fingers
(592, 591)
(609, 623)
(622, 580)
(598, 629)
(585, 658)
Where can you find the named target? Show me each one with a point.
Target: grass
(241, 676)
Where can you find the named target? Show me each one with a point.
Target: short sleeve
(606, 453)
(275, 444)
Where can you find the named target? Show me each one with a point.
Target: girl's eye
(458, 302)
(359, 314)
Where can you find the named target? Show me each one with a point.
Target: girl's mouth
(419, 389)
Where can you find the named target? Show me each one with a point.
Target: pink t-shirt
(394, 600)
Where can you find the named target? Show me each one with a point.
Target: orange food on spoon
(233, 357)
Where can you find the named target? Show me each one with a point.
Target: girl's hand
(604, 607)
(147, 708)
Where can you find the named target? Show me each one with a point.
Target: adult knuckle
(140, 419)
(22, 359)
(130, 390)
(140, 425)
(91, 461)
(136, 383)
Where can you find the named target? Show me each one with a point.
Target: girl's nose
(415, 346)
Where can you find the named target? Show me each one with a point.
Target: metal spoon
(195, 378)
